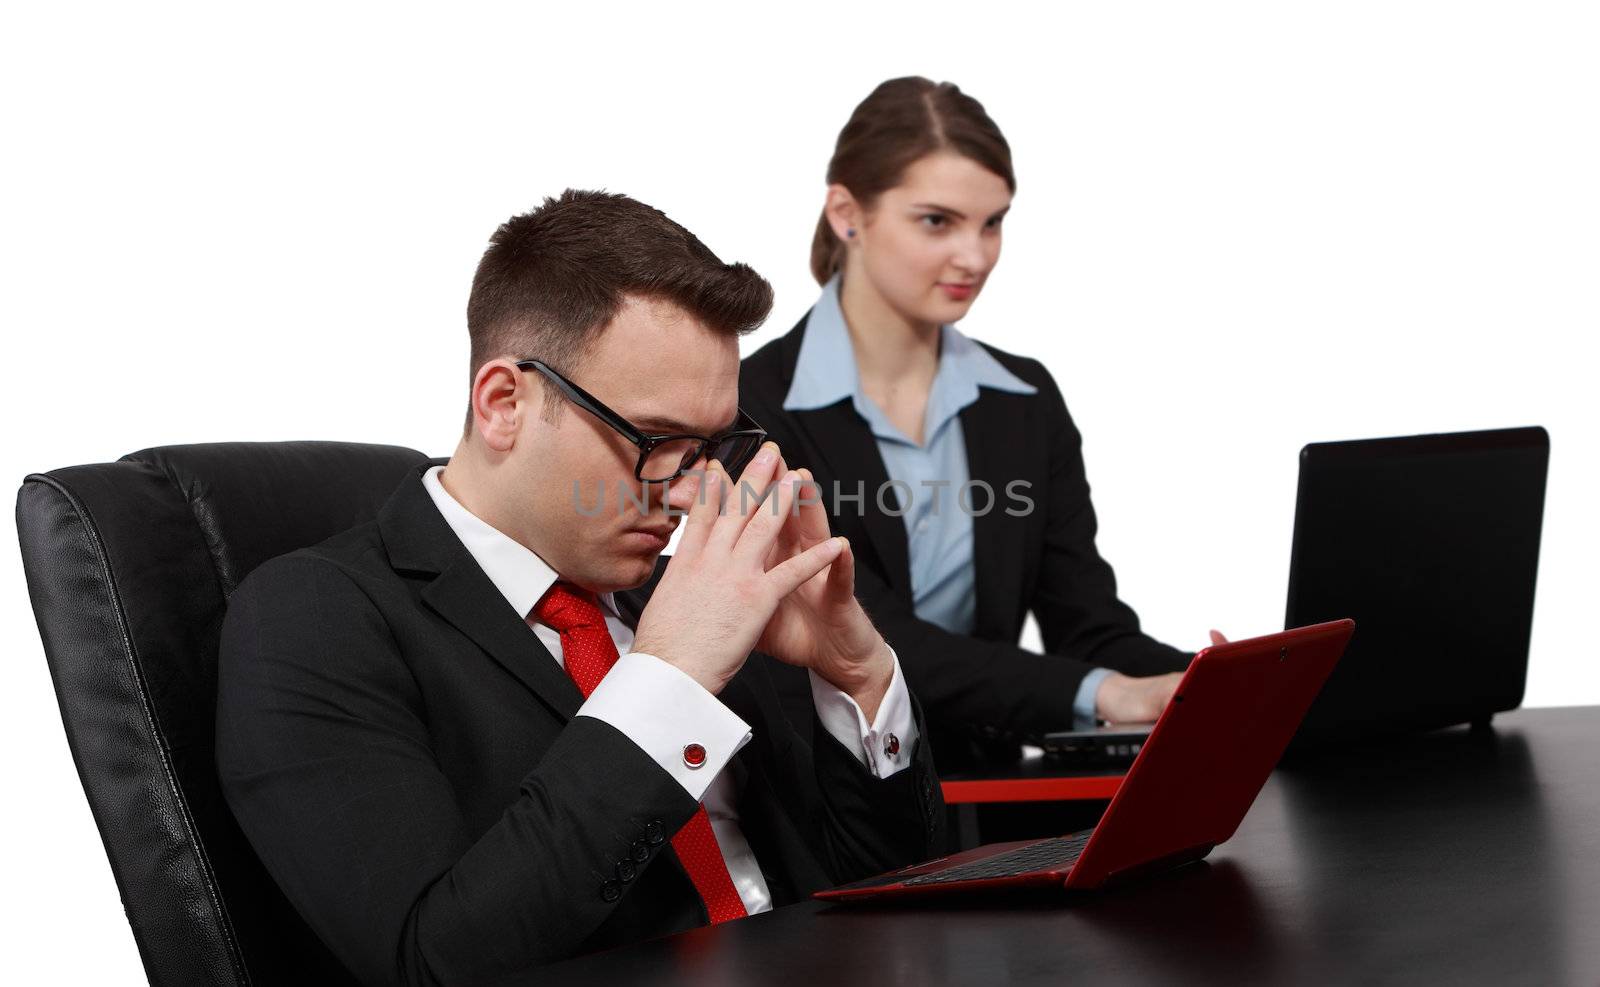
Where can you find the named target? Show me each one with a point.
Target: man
(458, 741)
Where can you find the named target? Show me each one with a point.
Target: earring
(851, 232)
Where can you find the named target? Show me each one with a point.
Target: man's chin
(631, 571)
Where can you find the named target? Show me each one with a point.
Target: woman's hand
(1126, 699)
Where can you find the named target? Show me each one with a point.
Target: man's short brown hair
(554, 277)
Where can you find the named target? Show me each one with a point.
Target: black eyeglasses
(664, 457)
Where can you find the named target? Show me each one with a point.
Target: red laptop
(1205, 760)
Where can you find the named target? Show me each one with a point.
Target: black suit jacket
(979, 688)
(403, 755)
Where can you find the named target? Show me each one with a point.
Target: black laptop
(1431, 543)
(1091, 746)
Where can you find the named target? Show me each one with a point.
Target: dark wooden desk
(1448, 858)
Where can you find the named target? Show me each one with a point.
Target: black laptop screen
(1431, 543)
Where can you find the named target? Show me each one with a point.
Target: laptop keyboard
(1057, 854)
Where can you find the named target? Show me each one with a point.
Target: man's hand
(722, 586)
(1125, 699)
(821, 626)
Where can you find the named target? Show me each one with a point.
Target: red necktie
(588, 653)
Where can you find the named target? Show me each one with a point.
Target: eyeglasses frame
(645, 441)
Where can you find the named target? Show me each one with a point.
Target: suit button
(640, 851)
(653, 833)
(625, 870)
(610, 891)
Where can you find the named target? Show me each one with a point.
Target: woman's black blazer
(980, 685)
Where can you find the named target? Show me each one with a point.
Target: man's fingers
(768, 452)
(789, 541)
(841, 585)
(770, 518)
(1217, 638)
(741, 501)
(792, 574)
(804, 524)
(811, 526)
(703, 512)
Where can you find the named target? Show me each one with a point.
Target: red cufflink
(694, 755)
(891, 747)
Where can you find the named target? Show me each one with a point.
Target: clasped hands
(756, 569)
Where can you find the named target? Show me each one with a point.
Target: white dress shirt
(662, 709)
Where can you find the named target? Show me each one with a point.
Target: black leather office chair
(129, 566)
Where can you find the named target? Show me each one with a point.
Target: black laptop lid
(1431, 543)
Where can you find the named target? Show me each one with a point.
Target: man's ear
(844, 213)
(501, 396)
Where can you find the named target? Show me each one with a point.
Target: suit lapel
(464, 596)
(996, 536)
(419, 541)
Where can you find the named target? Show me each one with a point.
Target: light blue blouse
(927, 477)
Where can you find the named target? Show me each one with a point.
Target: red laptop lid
(1211, 751)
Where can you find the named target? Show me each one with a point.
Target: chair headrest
(257, 500)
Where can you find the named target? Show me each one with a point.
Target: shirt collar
(520, 575)
(825, 371)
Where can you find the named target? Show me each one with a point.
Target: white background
(1239, 228)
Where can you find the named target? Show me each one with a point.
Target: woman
(953, 467)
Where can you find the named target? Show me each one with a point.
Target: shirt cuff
(663, 710)
(884, 746)
(1083, 702)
